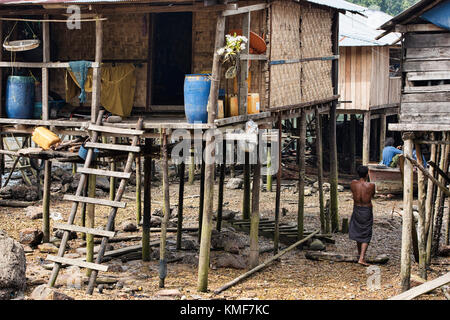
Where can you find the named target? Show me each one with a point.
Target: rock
(325, 186)
(129, 226)
(59, 234)
(33, 212)
(308, 191)
(444, 251)
(234, 183)
(30, 236)
(155, 222)
(48, 248)
(228, 260)
(20, 192)
(100, 288)
(43, 292)
(169, 293)
(188, 244)
(173, 223)
(157, 213)
(340, 188)
(114, 119)
(228, 240)
(316, 245)
(416, 281)
(28, 249)
(12, 268)
(102, 183)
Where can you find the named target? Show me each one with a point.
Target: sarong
(361, 222)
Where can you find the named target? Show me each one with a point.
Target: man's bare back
(363, 192)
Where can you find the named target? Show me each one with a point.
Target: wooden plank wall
(426, 67)
(355, 70)
(379, 92)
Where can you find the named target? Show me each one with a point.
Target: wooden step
(102, 202)
(116, 130)
(78, 263)
(116, 147)
(97, 232)
(105, 173)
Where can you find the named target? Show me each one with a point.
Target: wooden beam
(243, 75)
(96, 74)
(319, 155)
(423, 288)
(418, 28)
(366, 138)
(38, 65)
(246, 9)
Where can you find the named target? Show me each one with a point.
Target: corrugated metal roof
(357, 30)
(339, 4)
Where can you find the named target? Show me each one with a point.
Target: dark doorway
(172, 56)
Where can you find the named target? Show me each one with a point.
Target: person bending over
(361, 222)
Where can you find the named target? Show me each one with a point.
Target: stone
(157, 213)
(340, 188)
(48, 248)
(228, 260)
(44, 292)
(33, 212)
(188, 244)
(12, 268)
(129, 226)
(155, 222)
(30, 236)
(227, 240)
(59, 234)
(172, 223)
(416, 281)
(308, 191)
(317, 245)
(325, 185)
(234, 183)
(28, 249)
(444, 251)
(169, 293)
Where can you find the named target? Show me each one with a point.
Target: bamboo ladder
(132, 149)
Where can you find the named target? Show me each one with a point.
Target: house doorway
(172, 58)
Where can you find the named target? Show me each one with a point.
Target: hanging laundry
(80, 71)
(118, 86)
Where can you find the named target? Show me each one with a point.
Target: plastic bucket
(19, 97)
(196, 94)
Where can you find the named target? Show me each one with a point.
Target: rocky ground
(293, 277)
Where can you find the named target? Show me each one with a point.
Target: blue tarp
(439, 15)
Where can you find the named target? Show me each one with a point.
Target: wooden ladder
(132, 149)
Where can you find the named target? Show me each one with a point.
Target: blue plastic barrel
(20, 97)
(196, 94)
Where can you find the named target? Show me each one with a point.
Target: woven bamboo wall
(300, 31)
(125, 37)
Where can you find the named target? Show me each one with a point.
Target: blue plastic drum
(20, 97)
(196, 94)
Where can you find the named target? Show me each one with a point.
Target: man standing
(361, 222)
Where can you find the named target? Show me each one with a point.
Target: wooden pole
(165, 220)
(382, 133)
(2, 156)
(243, 85)
(90, 222)
(319, 155)
(246, 193)
(202, 195)
(96, 73)
(429, 203)
(205, 244)
(191, 168)
(254, 223)
(333, 180)
(45, 116)
(269, 165)
(301, 175)
(276, 233)
(405, 269)
(263, 265)
(421, 233)
(138, 190)
(147, 203)
(221, 185)
(112, 180)
(366, 139)
(352, 144)
(181, 169)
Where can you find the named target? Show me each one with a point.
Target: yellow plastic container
(253, 103)
(44, 138)
(220, 110)
(233, 106)
(249, 82)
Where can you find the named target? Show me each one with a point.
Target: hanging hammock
(21, 45)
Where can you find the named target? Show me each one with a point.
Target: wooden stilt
(254, 223)
(112, 180)
(221, 185)
(269, 165)
(202, 195)
(191, 168)
(366, 139)
(90, 221)
(382, 133)
(46, 201)
(421, 233)
(83, 210)
(301, 175)
(333, 180)
(246, 193)
(165, 220)
(276, 233)
(147, 203)
(429, 204)
(181, 169)
(405, 269)
(205, 244)
(353, 144)
(319, 155)
(138, 190)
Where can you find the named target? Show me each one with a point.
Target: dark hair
(389, 142)
(362, 171)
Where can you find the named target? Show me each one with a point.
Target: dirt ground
(293, 277)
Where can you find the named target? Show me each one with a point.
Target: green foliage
(392, 7)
